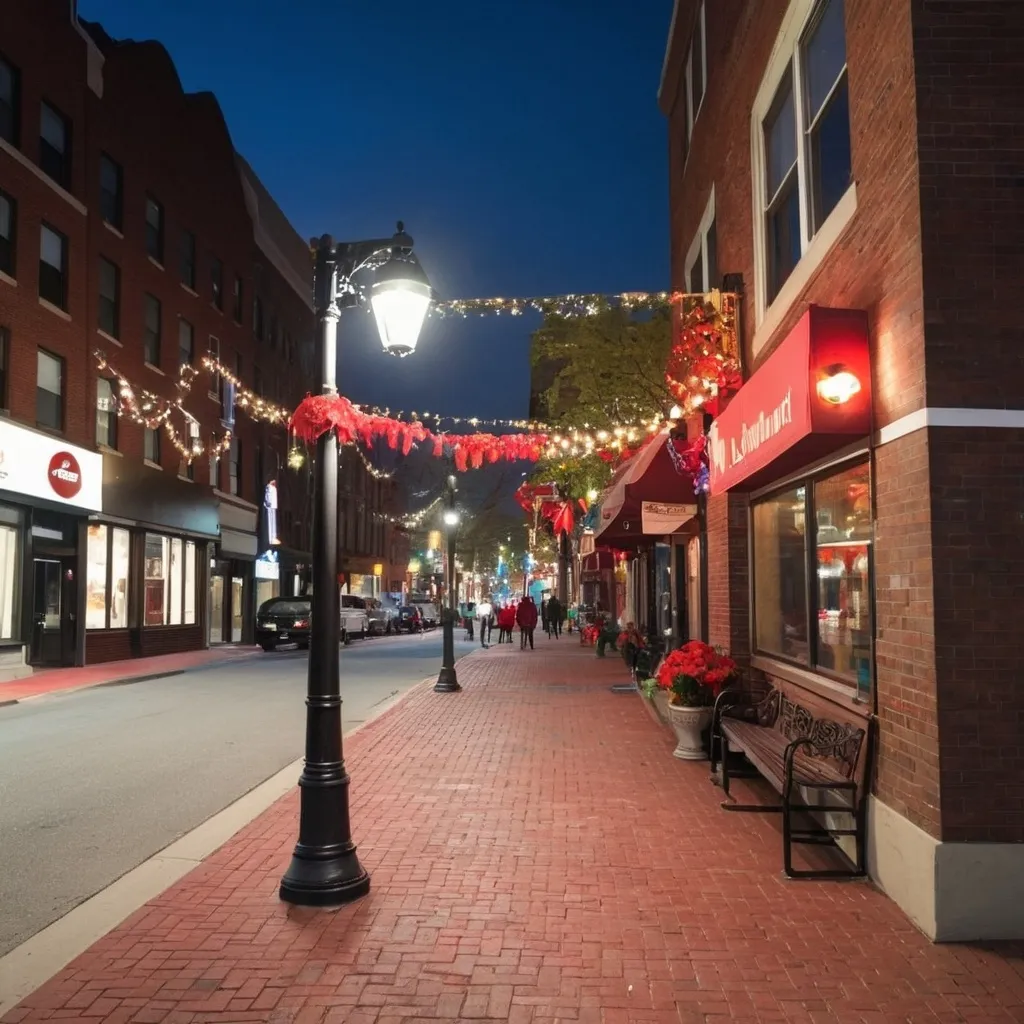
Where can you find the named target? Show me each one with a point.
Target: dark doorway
(54, 611)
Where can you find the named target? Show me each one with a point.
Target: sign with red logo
(780, 415)
(65, 475)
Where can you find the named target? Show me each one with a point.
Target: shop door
(216, 609)
(55, 599)
(237, 608)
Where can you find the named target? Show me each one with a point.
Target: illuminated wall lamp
(838, 385)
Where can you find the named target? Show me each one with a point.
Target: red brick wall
(728, 575)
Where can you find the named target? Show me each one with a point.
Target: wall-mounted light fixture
(838, 385)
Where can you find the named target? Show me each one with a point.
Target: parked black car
(409, 619)
(284, 620)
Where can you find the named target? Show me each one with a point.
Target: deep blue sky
(521, 143)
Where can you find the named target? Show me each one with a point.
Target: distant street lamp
(324, 869)
(447, 680)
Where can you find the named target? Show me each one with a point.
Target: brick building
(131, 230)
(866, 156)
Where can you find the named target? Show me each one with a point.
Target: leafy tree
(603, 369)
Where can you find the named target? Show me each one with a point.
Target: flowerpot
(689, 724)
(661, 705)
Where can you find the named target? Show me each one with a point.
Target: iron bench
(801, 752)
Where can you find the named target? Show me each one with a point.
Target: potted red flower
(693, 676)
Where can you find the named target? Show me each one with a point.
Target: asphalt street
(94, 782)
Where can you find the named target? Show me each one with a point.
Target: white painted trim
(969, 419)
(16, 154)
(814, 246)
(700, 244)
(668, 48)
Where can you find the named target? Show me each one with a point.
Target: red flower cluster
(695, 673)
(590, 635)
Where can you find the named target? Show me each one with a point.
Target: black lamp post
(325, 870)
(447, 680)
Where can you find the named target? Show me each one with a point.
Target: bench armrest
(835, 750)
(731, 701)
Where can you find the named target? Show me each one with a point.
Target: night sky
(521, 143)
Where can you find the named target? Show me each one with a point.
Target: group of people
(523, 614)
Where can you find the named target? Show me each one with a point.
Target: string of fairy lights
(568, 306)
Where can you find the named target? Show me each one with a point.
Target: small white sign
(47, 467)
(268, 567)
(659, 518)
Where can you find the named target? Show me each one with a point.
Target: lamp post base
(447, 681)
(319, 878)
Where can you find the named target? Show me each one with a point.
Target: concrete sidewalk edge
(31, 964)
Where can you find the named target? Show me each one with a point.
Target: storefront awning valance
(809, 398)
(647, 496)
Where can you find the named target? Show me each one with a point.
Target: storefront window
(190, 583)
(96, 577)
(120, 542)
(839, 594)
(663, 588)
(843, 554)
(156, 600)
(177, 568)
(10, 571)
(780, 574)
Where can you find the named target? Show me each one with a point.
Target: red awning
(647, 487)
(598, 560)
(809, 398)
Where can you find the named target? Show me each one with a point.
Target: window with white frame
(702, 257)
(695, 79)
(801, 143)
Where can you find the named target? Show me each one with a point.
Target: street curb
(31, 964)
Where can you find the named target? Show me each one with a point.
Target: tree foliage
(606, 368)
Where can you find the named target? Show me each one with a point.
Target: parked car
(354, 618)
(284, 620)
(409, 619)
(428, 612)
(381, 617)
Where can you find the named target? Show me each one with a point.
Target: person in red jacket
(506, 623)
(526, 617)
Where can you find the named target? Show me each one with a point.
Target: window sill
(62, 313)
(20, 157)
(7, 279)
(156, 263)
(817, 684)
(191, 291)
(821, 245)
(107, 450)
(155, 369)
(109, 337)
(152, 464)
(235, 499)
(115, 231)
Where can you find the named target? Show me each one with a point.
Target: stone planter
(661, 705)
(689, 724)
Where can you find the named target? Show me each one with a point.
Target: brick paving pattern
(537, 856)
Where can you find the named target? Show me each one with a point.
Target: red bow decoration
(560, 514)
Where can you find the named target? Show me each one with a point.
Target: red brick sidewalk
(67, 679)
(537, 855)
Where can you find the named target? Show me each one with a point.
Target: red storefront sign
(64, 474)
(810, 397)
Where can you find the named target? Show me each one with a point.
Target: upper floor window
(8, 234)
(801, 123)
(213, 351)
(49, 390)
(188, 260)
(5, 345)
(152, 330)
(696, 71)
(109, 311)
(186, 343)
(55, 144)
(257, 318)
(53, 266)
(235, 467)
(111, 192)
(217, 282)
(237, 299)
(151, 445)
(702, 259)
(10, 102)
(106, 412)
(154, 230)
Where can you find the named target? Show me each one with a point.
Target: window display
(190, 583)
(174, 606)
(10, 571)
(156, 595)
(838, 596)
(120, 542)
(96, 577)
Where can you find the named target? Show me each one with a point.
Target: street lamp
(447, 680)
(324, 869)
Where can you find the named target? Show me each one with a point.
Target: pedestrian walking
(555, 616)
(506, 623)
(526, 617)
(544, 605)
(483, 616)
